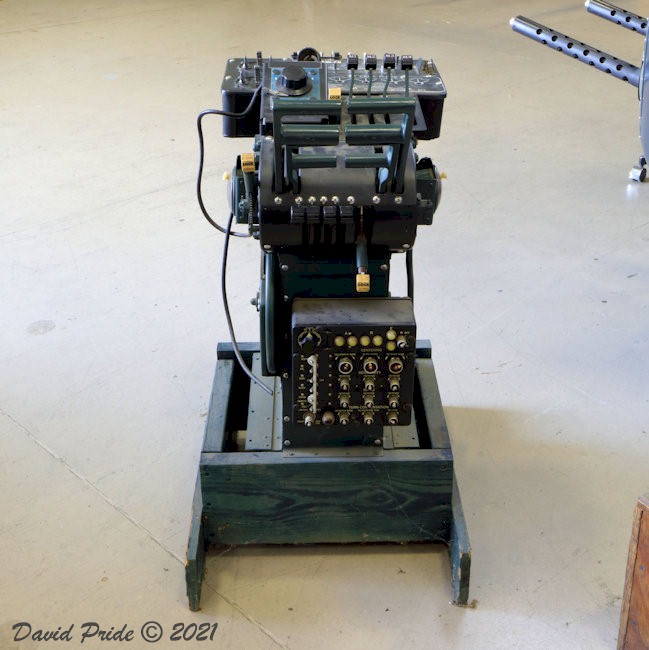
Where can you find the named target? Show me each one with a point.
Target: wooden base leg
(195, 563)
(459, 551)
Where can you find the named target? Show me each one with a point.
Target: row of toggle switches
(328, 214)
(370, 61)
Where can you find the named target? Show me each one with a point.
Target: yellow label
(248, 162)
(335, 93)
(362, 282)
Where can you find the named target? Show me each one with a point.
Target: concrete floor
(533, 288)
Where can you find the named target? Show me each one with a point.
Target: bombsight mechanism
(332, 188)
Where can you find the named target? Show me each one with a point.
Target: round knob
(309, 341)
(293, 80)
(328, 418)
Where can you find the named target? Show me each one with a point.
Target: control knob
(294, 81)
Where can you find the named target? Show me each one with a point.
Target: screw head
(383, 267)
(405, 245)
(351, 200)
(323, 200)
(278, 200)
(284, 267)
(376, 199)
(298, 200)
(311, 200)
(398, 200)
(285, 376)
(287, 443)
(335, 200)
(267, 247)
(378, 442)
(287, 418)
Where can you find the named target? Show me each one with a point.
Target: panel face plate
(353, 363)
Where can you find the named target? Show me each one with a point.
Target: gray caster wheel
(639, 172)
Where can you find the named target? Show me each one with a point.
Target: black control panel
(353, 369)
(332, 77)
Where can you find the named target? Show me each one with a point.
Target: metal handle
(617, 15)
(577, 50)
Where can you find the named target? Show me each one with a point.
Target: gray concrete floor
(533, 288)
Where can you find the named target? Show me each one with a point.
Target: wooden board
(269, 498)
(634, 621)
(215, 426)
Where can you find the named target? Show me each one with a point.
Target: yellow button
(339, 341)
(365, 340)
(391, 335)
(352, 341)
(391, 346)
(377, 341)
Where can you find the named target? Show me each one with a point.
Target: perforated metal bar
(577, 50)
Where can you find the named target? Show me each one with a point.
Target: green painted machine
(330, 430)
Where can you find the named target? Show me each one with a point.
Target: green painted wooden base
(250, 491)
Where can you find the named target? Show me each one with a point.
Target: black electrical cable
(224, 294)
(410, 274)
(199, 178)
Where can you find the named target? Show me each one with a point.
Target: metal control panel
(353, 369)
(328, 77)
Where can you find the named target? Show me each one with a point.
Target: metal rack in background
(636, 76)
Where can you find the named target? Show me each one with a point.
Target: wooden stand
(258, 493)
(634, 621)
